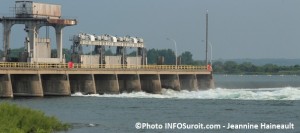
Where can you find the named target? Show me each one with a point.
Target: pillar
(5, 86)
(26, 85)
(58, 33)
(83, 83)
(170, 81)
(107, 83)
(56, 84)
(129, 83)
(150, 83)
(205, 81)
(212, 82)
(6, 38)
(188, 82)
(33, 30)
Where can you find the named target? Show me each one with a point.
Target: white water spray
(286, 93)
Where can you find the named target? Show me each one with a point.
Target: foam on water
(287, 93)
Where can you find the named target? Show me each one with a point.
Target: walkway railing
(96, 66)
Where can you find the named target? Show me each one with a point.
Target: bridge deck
(43, 68)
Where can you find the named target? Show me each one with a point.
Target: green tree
(231, 67)
(218, 67)
(270, 68)
(133, 53)
(108, 52)
(152, 55)
(14, 53)
(186, 58)
(168, 54)
(247, 67)
(67, 54)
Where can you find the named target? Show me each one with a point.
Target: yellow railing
(97, 66)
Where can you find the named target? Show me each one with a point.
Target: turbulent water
(237, 99)
(286, 93)
(234, 87)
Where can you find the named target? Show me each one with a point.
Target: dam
(27, 79)
(41, 71)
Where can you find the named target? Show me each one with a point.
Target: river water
(237, 99)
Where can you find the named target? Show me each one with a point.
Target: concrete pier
(107, 83)
(205, 82)
(56, 84)
(188, 82)
(150, 83)
(5, 86)
(170, 81)
(83, 83)
(27, 85)
(129, 83)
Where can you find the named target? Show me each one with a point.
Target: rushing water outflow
(286, 93)
(231, 87)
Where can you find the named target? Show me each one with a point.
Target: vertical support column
(151, 83)
(205, 81)
(33, 35)
(6, 38)
(107, 83)
(5, 86)
(56, 84)
(188, 82)
(83, 83)
(94, 84)
(169, 81)
(129, 83)
(26, 85)
(58, 32)
(212, 82)
(143, 53)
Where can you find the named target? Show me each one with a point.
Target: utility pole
(206, 40)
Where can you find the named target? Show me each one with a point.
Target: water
(237, 99)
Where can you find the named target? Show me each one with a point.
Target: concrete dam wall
(65, 82)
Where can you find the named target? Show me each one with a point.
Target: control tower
(34, 16)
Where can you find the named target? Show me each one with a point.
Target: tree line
(186, 58)
(220, 67)
(231, 67)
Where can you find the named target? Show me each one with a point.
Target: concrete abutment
(27, 85)
(151, 83)
(170, 81)
(205, 82)
(129, 83)
(83, 83)
(188, 82)
(107, 83)
(56, 84)
(5, 86)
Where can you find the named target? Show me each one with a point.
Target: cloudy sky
(237, 28)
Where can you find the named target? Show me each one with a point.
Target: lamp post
(175, 45)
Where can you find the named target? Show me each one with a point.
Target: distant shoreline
(298, 74)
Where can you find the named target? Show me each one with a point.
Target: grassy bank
(15, 119)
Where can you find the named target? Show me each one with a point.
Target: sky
(237, 28)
